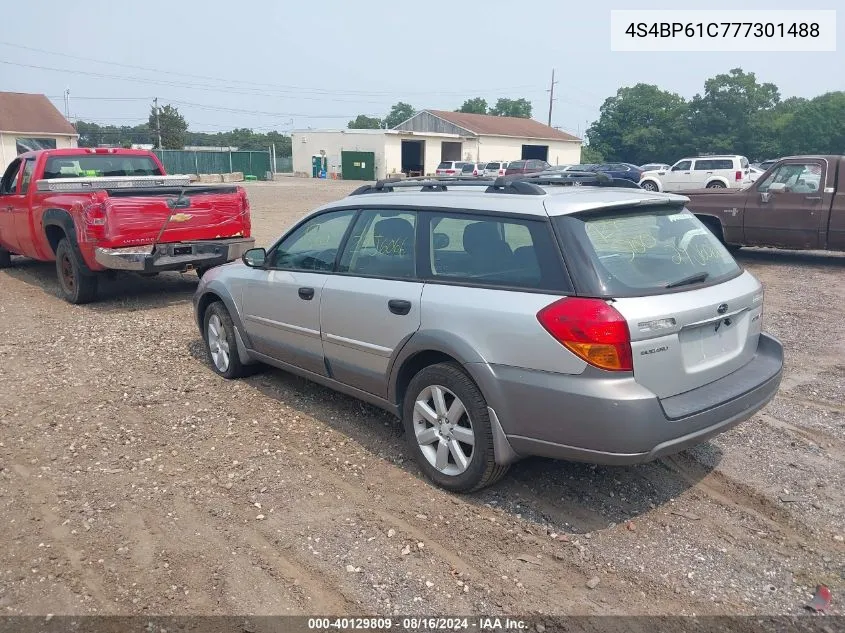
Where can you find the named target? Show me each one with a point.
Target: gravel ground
(135, 481)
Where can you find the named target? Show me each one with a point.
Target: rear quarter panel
(836, 223)
(725, 205)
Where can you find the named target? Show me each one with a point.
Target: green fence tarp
(178, 161)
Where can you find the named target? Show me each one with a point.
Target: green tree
(520, 108)
(364, 122)
(641, 124)
(816, 126)
(477, 105)
(590, 155)
(172, 125)
(399, 113)
(722, 119)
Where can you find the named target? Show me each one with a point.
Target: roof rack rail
(523, 184)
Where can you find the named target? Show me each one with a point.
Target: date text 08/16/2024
(417, 624)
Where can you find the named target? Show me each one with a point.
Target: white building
(418, 145)
(31, 121)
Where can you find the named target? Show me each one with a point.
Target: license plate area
(183, 250)
(709, 343)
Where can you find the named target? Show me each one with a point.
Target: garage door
(358, 165)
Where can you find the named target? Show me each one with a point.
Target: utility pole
(551, 96)
(158, 124)
(67, 103)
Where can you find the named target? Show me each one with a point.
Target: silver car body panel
(692, 377)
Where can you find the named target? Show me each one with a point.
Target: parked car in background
(711, 172)
(559, 167)
(468, 169)
(94, 211)
(655, 167)
(755, 172)
(450, 168)
(543, 333)
(626, 171)
(526, 166)
(495, 169)
(764, 165)
(476, 169)
(581, 167)
(798, 203)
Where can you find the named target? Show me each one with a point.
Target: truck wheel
(5, 258)
(650, 185)
(77, 284)
(448, 429)
(716, 229)
(219, 335)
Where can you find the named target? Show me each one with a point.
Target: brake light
(95, 220)
(739, 176)
(450, 171)
(591, 329)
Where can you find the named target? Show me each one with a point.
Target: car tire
(220, 342)
(77, 283)
(716, 184)
(649, 185)
(5, 258)
(443, 458)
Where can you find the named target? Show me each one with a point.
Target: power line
(282, 87)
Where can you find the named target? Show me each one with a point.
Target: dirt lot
(135, 481)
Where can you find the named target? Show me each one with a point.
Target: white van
(711, 172)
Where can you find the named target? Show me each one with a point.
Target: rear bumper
(173, 256)
(610, 420)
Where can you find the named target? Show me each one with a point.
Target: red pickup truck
(96, 210)
(798, 203)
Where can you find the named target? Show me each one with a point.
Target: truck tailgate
(198, 214)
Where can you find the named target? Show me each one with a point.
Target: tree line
(176, 135)
(735, 114)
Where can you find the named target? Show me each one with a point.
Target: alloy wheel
(218, 345)
(443, 430)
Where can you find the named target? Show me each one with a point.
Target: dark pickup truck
(798, 203)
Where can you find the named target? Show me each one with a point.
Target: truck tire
(5, 258)
(78, 285)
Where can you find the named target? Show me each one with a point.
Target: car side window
(493, 251)
(382, 244)
(9, 182)
(28, 170)
(314, 245)
(794, 178)
(684, 165)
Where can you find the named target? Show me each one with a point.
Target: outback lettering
(654, 350)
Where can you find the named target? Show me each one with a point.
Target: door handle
(814, 197)
(399, 306)
(306, 293)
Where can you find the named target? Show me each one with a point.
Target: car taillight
(501, 172)
(95, 220)
(450, 171)
(245, 211)
(591, 329)
(739, 175)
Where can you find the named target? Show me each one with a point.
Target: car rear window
(638, 253)
(492, 166)
(517, 164)
(445, 165)
(96, 165)
(468, 167)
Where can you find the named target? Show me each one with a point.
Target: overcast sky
(280, 65)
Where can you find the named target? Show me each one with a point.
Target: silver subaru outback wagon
(506, 319)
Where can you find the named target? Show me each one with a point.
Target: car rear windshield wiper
(691, 279)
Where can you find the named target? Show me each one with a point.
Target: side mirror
(440, 240)
(255, 257)
(777, 187)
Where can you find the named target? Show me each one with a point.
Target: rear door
(790, 207)
(372, 305)
(21, 211)
(281, 305)
(704, 325)
(9, 199)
